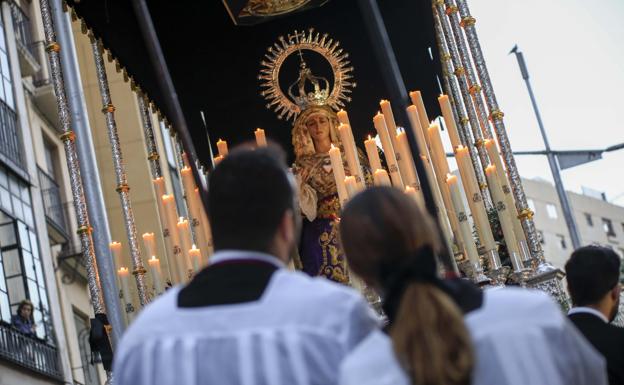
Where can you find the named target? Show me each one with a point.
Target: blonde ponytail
(430, 338)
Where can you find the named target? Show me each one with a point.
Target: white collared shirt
(298, 332)
(585, 309)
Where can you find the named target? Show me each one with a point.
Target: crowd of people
(247, 319)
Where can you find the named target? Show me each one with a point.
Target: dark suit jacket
(607, 339)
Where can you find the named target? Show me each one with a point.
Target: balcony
(55, 210)
(29, 352)
(71, 260)
(29, 63)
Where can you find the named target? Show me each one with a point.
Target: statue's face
(318, 126)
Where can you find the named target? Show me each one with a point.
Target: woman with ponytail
(508, 336)
(391, 244)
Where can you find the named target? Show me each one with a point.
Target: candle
(464, 226)
(217, 159)
(154, 266)
(184, 231)
(415, 194)
(351, 185)
(449, 119)
(386, 110)
(343, 117)
(195, 258)
(412, 114)
(386, 144)
(115, 248)
(172, 215)
(381, 178)
(438, 158)
(475, 201)
(420, 107)
(260, 137)
(159, 187)
(150, 243)
(495, 158)
(124, 276)
(346, 137)
(222, 147)
(407, 162)
(504, 216)
(339, 174)
(371, 151)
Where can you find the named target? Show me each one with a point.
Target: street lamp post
(552, 159)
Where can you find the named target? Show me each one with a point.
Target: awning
(214, 63)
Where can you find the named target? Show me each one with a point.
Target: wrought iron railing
(9, 141)
(55, 211)
(28, 352)
(21, 26)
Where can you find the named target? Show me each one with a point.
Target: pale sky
(576, 62)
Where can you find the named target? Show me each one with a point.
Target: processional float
(414, 156)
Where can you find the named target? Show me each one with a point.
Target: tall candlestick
(469, 245)
(186, 241)
(177, 260)
(149, 243)
(115, 248)
(222, 147)
(386, 110)
(343, 117)
(218, 159)
(195, 258)
(381, 178)
(504, 216)
(351, 186)
(159, 188)
(417, 100)
(371, 151)
(449, 119)
(475, 201)
(260, 137)
(156, 272)
(415, 194)
(339, 174)
(346, 137)
(386, 144)
(407, 162)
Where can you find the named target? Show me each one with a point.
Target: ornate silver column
(496, 116)
(152, 150)
(68, 137)
(108, 110)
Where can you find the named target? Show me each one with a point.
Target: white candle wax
(381, 178)
(195, 258)
(351, 186)
(346, 137)
(150, 243)
(115, 248)
(371, 151)
(155, 271)
(449, 119)
(260, 137)
(339, 174)
(222, 147)
(386, 144)
(184, 231)
(124, 276)
(468, 241)
(504, 216)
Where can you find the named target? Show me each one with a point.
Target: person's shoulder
(372, 362)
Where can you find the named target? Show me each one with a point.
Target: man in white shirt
(246, 319)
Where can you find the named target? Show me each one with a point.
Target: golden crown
(308, 90)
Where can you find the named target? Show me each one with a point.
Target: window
(531, 204)
(589, 220)
(562, 242)
(6, 83)
(540, 236)
(551, 209)
(607, 225)
(21, 270)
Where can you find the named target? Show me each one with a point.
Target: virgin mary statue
(313, 102)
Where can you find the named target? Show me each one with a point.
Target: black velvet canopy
(214, 63)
